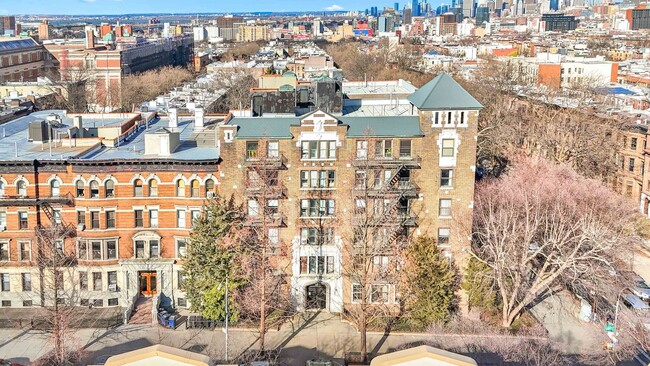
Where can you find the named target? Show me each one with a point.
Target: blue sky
(74, 7)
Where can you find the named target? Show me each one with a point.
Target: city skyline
(113, 7)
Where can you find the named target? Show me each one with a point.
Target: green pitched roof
(442, 93)
(384, 126)
(264, 127)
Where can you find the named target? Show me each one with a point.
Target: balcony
(410, 161)
(254, 159)
(277, 219)
(36, 201)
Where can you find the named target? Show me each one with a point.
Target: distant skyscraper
(555, 5)
(415, 8)
(468, 7)
(407, 16)
(396, 6)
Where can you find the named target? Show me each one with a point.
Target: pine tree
(432, 282)
(479, 285)
(211, 256)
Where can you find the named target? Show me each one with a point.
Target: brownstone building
(126, 186)
(408, 164)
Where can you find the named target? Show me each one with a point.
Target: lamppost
(227, 316)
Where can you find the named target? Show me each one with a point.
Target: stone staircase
(141, 311)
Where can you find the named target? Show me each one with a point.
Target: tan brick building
(415, 162)
(630, 161)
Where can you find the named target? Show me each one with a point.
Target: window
(81, 218)
(181, 248)
(272, 207)
(112, 280)
(154, 249)
(137, 188)
(194, 216)
(97, 281)
(274, 236)
(318, 150)
(109, 189)
(138, 218)
(448, 147)
(27, 281)
(630, 165)
(83, 281)
(181, 280)
(98, 303)
(6, 303)
(462, 118)
(195, 189)
(94, 189)
(2, 188)
(82, 252)
(180, 219)
(384, 148)
(94, 219)
(21, 186)
(445, 207)
(4, 282)
(111, 249)
(209, 187)
(180, 188)
(96, 250)
(633, 143)
(443, 236)
(380, 264)
(153, 188)
(56, 215)
(253, 208)
(436, 118)
(110, 219)
(362, 149)
(629, 189)
(113, 302)
(23, 223)
(317, 236)
(4, 251)
(317, 178)
(139, 248)
(404, 148)
(55, 188)
(153, 218)
(251, 149)
(27, 303)
(80, 188)
(25, 250)
(446, 177)
(450, 118)
(357, 292)
(316, 208)
(379, 294)
(273, 149)
(3, 220)
(317, 265)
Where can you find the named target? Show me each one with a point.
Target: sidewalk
(309, 336)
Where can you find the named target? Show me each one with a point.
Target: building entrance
(316, 297)
(148, 283)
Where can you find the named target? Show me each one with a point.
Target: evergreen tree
(211, 256)
(479, 285)
(432, 282)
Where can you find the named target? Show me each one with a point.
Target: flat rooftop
(127, 143)
(361, 88)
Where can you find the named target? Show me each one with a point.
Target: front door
(316, 296)
(148, 283)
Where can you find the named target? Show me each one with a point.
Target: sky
(85, 7)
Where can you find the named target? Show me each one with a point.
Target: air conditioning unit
(81, 227)
(210, 195)
(112, 287)
(3, 228)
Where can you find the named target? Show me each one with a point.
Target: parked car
(640, 288)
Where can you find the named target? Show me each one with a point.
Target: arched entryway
(316, 296)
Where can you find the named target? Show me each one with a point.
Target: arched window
(153, 188)
(21, 186)
(180, 188)
(80, 188)
(55, 188)
(137, 188)
(2, 188)
(209, 188)
(109, 188)
(196, 189)
(94, 189)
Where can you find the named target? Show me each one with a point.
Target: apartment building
(630, 161)
(21, 59)
(309, 180)
(118, 190)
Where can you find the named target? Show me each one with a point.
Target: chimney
(199, 120)
(173, 117)
(90, 39)
(78, 123)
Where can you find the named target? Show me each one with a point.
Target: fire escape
(262, 183)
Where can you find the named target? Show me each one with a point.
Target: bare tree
(537, 234)
(380, 215)
(238, 87)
